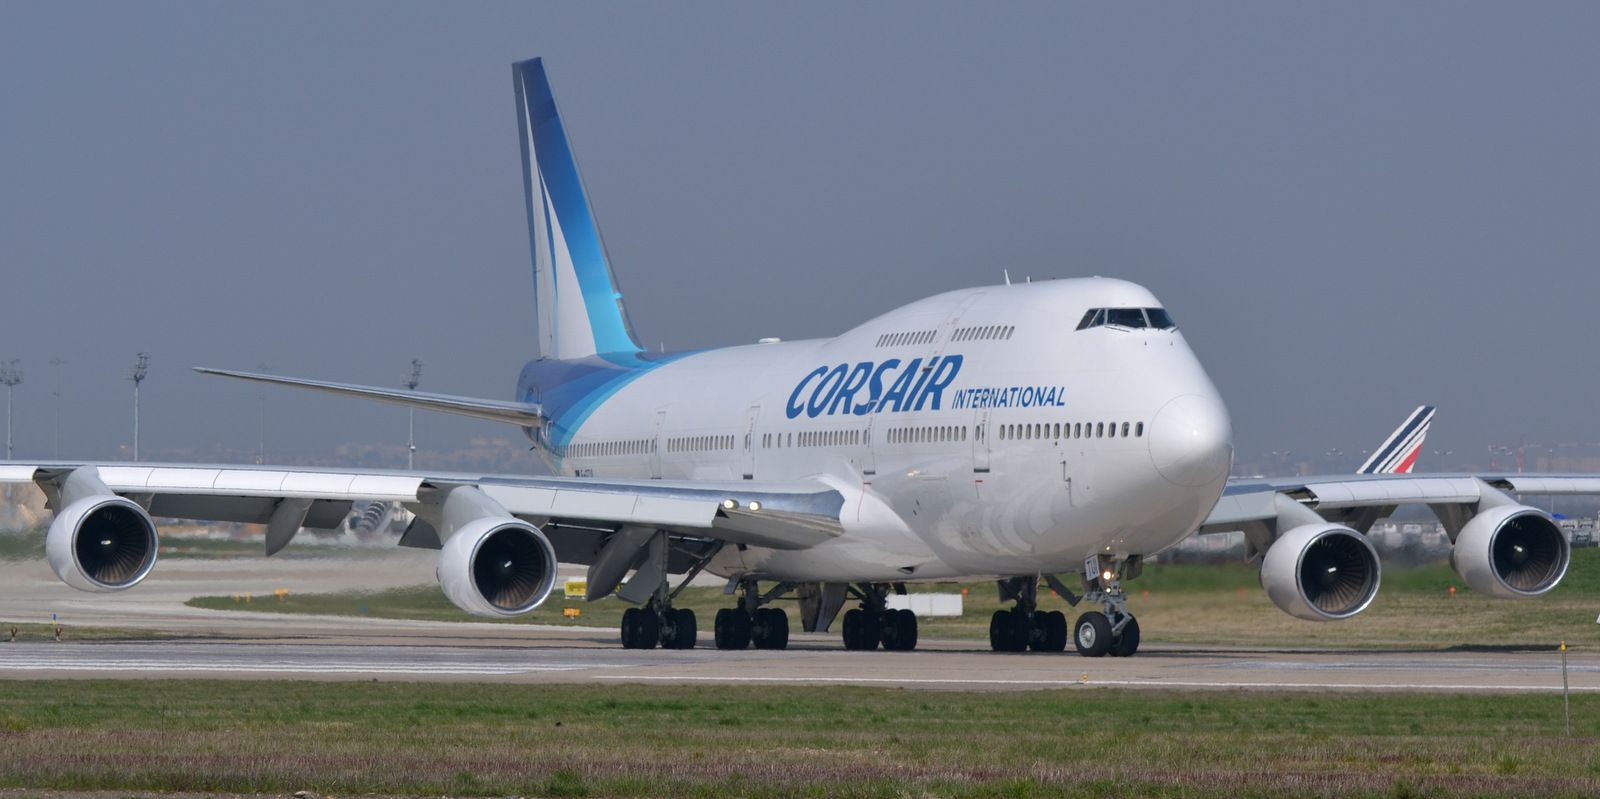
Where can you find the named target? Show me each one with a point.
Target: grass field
(624, 740)
(1175, 603)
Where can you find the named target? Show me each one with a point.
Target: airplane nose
(1191, 441)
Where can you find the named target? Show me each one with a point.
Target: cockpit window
(1127, 318)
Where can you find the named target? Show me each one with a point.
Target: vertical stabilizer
(579, 306)
(1398, 455)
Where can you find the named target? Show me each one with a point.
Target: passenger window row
(1131, 318)
(902, 339)
(699, 443)
(814, 438)
(927, 434)
(601, 449)
(1061, 430)
(997, 332)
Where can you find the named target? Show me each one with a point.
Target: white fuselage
(1017, 443)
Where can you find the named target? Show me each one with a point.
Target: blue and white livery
(1058, 431)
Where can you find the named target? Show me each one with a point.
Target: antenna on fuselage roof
(1007, 273)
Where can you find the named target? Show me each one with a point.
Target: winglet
(1399, 451)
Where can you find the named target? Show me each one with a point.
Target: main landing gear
(751, 623)
(655, 623)
(875, 623)
(1024, 627)
(658, 622)
(1112, 632)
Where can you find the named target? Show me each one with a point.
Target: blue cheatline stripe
(560, 172)
(1419, 416)
(576, 389)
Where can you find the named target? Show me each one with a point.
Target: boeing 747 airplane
(1057, 431)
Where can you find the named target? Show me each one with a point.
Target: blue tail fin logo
(580, 309)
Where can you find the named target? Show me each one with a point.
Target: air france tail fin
(579, 307)
(1399, 451)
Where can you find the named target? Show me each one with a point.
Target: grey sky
(1349, 208)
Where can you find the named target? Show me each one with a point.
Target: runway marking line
(1092, 682)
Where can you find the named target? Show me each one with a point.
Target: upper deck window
(1127, 318)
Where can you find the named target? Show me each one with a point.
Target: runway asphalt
(245, 645)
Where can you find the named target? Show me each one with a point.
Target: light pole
(10, 376)
(411, 415)
(55, 397)
(140, 369)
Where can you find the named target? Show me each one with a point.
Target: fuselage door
(657, 444)
(980, 441)
(750, 441)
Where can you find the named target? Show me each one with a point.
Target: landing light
(1108, 575)
(730, 504)
(754, 505)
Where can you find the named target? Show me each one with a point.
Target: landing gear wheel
(908, 630)
(860, 630)
(1092, 634)
(1127, 641)
(732, 629)
(1052, 635)
(681, 632)
(771, 629)
(1000, 631)
(640, 629)
(899, 630)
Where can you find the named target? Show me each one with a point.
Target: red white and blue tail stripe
(1399, 452)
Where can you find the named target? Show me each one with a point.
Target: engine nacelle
(1321, 572)
(102, 542)
(1511, 552)
(492, 563)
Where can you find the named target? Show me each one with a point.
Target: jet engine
(99, 541)
(492, 563)
(1321, 572)
(1511, 552)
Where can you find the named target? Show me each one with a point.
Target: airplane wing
(526, 414)
(1259, 505)
(606, 524)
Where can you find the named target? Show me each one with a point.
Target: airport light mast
(10, 377)
(261, 420)
(140, 369)
(55, 397)
(411, 415)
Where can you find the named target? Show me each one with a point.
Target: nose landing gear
(1114, 632)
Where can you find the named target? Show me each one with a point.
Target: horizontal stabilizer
(525, 414)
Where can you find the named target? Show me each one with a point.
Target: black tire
(1000, 631)
(1127, 641)
(1022, 632)
(681, 634)
(732, 628)
(907, 630)
(898, 630)
(1092, 634)
(630, 628)
(771, 629)
(640, 629)
(860, 630)
(1053, 632)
